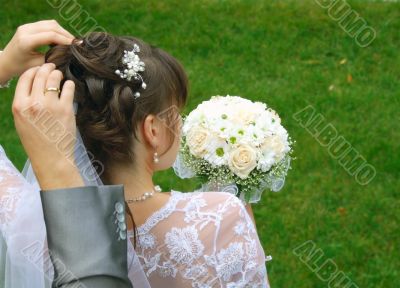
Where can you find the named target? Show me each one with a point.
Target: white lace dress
(201, 240)
(24, 258)
(196, 240)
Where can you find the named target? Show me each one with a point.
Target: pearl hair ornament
(133, 65)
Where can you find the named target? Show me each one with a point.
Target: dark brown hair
(108, 113)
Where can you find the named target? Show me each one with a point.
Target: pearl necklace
(145, 196)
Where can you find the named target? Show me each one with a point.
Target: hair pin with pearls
(133, 66)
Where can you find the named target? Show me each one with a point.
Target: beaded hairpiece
(133, 66)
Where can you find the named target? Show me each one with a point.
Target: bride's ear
(152, 130)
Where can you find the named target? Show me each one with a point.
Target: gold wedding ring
(52, 89)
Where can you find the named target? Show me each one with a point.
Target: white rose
(245, 116)
(197, 139)
(274, 144)
(242, 160)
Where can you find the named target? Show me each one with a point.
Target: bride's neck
(137, 179)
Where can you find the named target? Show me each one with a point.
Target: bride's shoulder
(210, 200)
(209, 195)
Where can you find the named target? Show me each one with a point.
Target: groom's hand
(21, 52)
(45, 122)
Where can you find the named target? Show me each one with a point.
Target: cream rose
(244, 116)
(275, 144)
(242, 160)
(197, 140)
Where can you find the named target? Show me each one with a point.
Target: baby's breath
(217, 122)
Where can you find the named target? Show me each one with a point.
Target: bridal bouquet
(234, 145)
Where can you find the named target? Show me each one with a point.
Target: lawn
(289, 54)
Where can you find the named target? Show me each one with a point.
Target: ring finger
(39, 84)
(52, 90)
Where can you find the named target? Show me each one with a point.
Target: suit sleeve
(86, 233)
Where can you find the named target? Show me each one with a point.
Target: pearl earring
(155, 158)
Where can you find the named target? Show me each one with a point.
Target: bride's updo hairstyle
(108, 112)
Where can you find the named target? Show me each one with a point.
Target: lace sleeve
(12, 185)
(24, 255)
(238, 254)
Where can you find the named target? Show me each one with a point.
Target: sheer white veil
(91, 176)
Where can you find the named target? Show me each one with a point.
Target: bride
(128, 95)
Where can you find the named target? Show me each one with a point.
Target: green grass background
(287, 54)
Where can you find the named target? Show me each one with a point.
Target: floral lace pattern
(201, 240)
(10, 189)
(197, 239)
(23, 229)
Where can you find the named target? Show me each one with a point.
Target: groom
(99, 259)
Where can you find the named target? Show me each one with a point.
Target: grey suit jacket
(86, 233)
